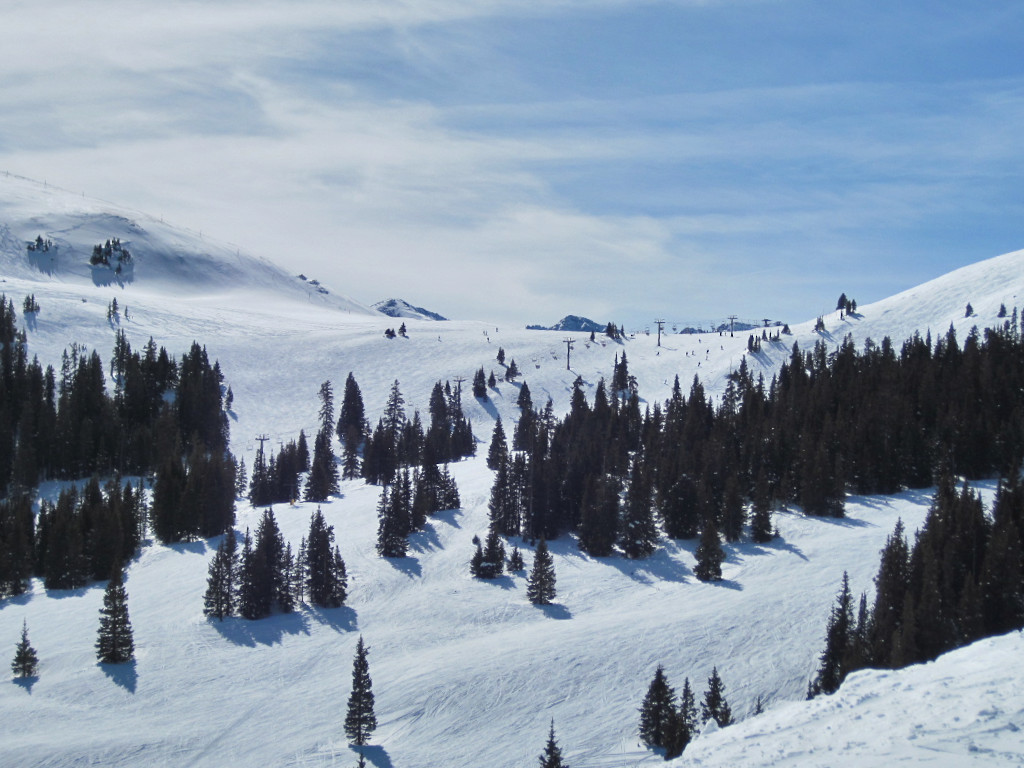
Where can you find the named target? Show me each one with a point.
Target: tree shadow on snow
(23, 599)
(727, 583)
(26, 682)
(662, 565)
(190, 547)
(844, 522)
(343, 619)
(375, 755)
(781, 544)
(410, 566)
(556, 611)
(61, 594)
(487, 405)
(426, 540)
(448, 516)
(123, 675)
(268, 631)
(504, 581)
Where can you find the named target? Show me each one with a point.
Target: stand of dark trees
(163, 418)
(962, 579)
(871, 421)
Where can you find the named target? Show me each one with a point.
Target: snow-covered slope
(465, 672)
(167, 260)
(952, 712)
(402, 308)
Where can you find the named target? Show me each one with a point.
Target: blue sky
(519, 161)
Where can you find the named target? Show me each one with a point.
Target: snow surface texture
(465, 672)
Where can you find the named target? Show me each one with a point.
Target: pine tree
(497, 453)
(709, 553)
(360, 721)
(838, 643)
(552, 755)
(480, 384)
(325, 577)
(394, 518)
(639, 535)
(26, 661)
(714, 705)
(493, 564)
(323, 473)
(512, 372)
(114, 643)
(476, 562)
(761, 519)
(515, 561)
(686, 723)
(540, 584)
(658, 711)
(219, 600)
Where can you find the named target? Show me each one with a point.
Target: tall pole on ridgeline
(568, 352)
(661, 324)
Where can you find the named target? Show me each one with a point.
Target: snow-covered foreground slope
(964, 709)
(465, 672)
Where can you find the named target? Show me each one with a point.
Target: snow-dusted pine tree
(540, 584)
(114, 642)
(360, 721)
(26, 661)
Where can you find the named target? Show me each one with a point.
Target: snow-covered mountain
(571, 323)
(166, 260)
(465, 672)
(402, 308)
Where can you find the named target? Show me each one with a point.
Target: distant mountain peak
(402, 308)
(571, 323)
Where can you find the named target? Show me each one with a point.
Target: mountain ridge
(456, 662)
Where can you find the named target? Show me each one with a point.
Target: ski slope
(465, 672)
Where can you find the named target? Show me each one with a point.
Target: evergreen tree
(552, 755)
(639, 535)
(114, 643)
(326, 581)
(687, 723)
(709, 553)
(250, 599)
(714, 705)
(476, 562)
(839, 637)
(26, 661)
(352, 418)
(540, 584)
(393, 519)
(498, 450)
(324, 471)
(360, 721)
(480, 384)
(512, 372)
(219, 600)
(515, 561)
(658, 712)
(761, 519)
(493, 564)
(599, 515)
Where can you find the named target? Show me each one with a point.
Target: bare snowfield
(465, 672)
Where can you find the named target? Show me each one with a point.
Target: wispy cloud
(498, 158)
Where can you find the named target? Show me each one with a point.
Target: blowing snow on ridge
(465, 671)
